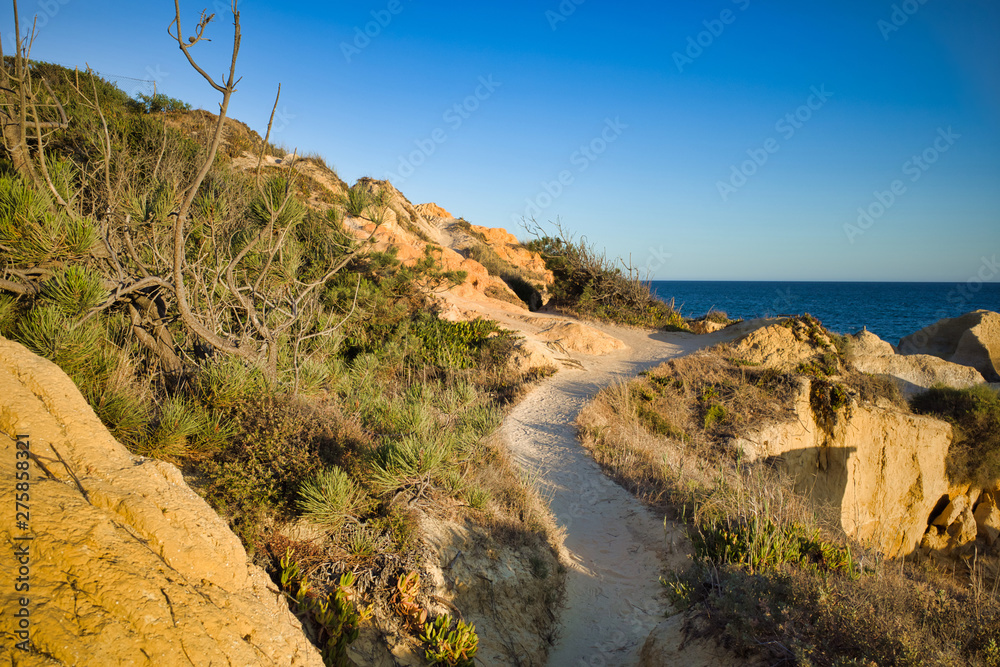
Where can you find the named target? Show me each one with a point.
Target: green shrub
(478, 498)
(408, 461)
(333, 620)
(360, 202)
(761, 543)
(179, 420)
(228, 382)
(31, 233)
(363, 541)
(974, 454)
(275, 202)
(822, 366)
(72, 346)
(715, 414)
(453, 344)
(454, 647)
(278, 445)
(75, 290)
(330, 497)
(592, 286)
(158, 102)
(8, 314)
(126, 415)
(717, 316)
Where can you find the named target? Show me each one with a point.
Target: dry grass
(774, 577)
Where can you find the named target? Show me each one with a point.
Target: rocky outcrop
(913, 373)
(880, 471)
(783, 345)
(987, 517)
(554, 344)
(969, 521)
(529, 355)
(432, 210)
(703, 325)
(972, 340)
(126, 564)
(507, 591)
(413, 231)
(510, 249)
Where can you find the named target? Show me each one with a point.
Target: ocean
(890, 310)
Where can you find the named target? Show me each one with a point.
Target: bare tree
(22, 99)
(193, 255)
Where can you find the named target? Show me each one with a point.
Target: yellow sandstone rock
(127, 565)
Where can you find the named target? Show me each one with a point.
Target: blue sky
(729, 140)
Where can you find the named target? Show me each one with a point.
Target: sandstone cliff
(412, 231)
(914, 372)
(972, 340)
(880, 472)
(878, 469)
(126, 564)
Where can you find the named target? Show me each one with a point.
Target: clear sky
(729, 140)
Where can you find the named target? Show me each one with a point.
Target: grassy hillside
(218, 318)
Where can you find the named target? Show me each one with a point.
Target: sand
(617, 547)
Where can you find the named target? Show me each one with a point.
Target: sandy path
(617, 547)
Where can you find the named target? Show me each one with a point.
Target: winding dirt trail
(618, 548)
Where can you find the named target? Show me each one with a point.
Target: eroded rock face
(707, 326)
(127, 564)
(783, 345)
(432, 210)
(410, 230)
(972, 340)
(913, 373)
(881, 472)
(987, 517)
(509, 248)
(508, 592)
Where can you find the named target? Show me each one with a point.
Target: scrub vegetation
(592, 286)
(217, 317)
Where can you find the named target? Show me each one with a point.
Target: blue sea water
(890, 310)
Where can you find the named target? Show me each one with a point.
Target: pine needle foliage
(330, 497)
